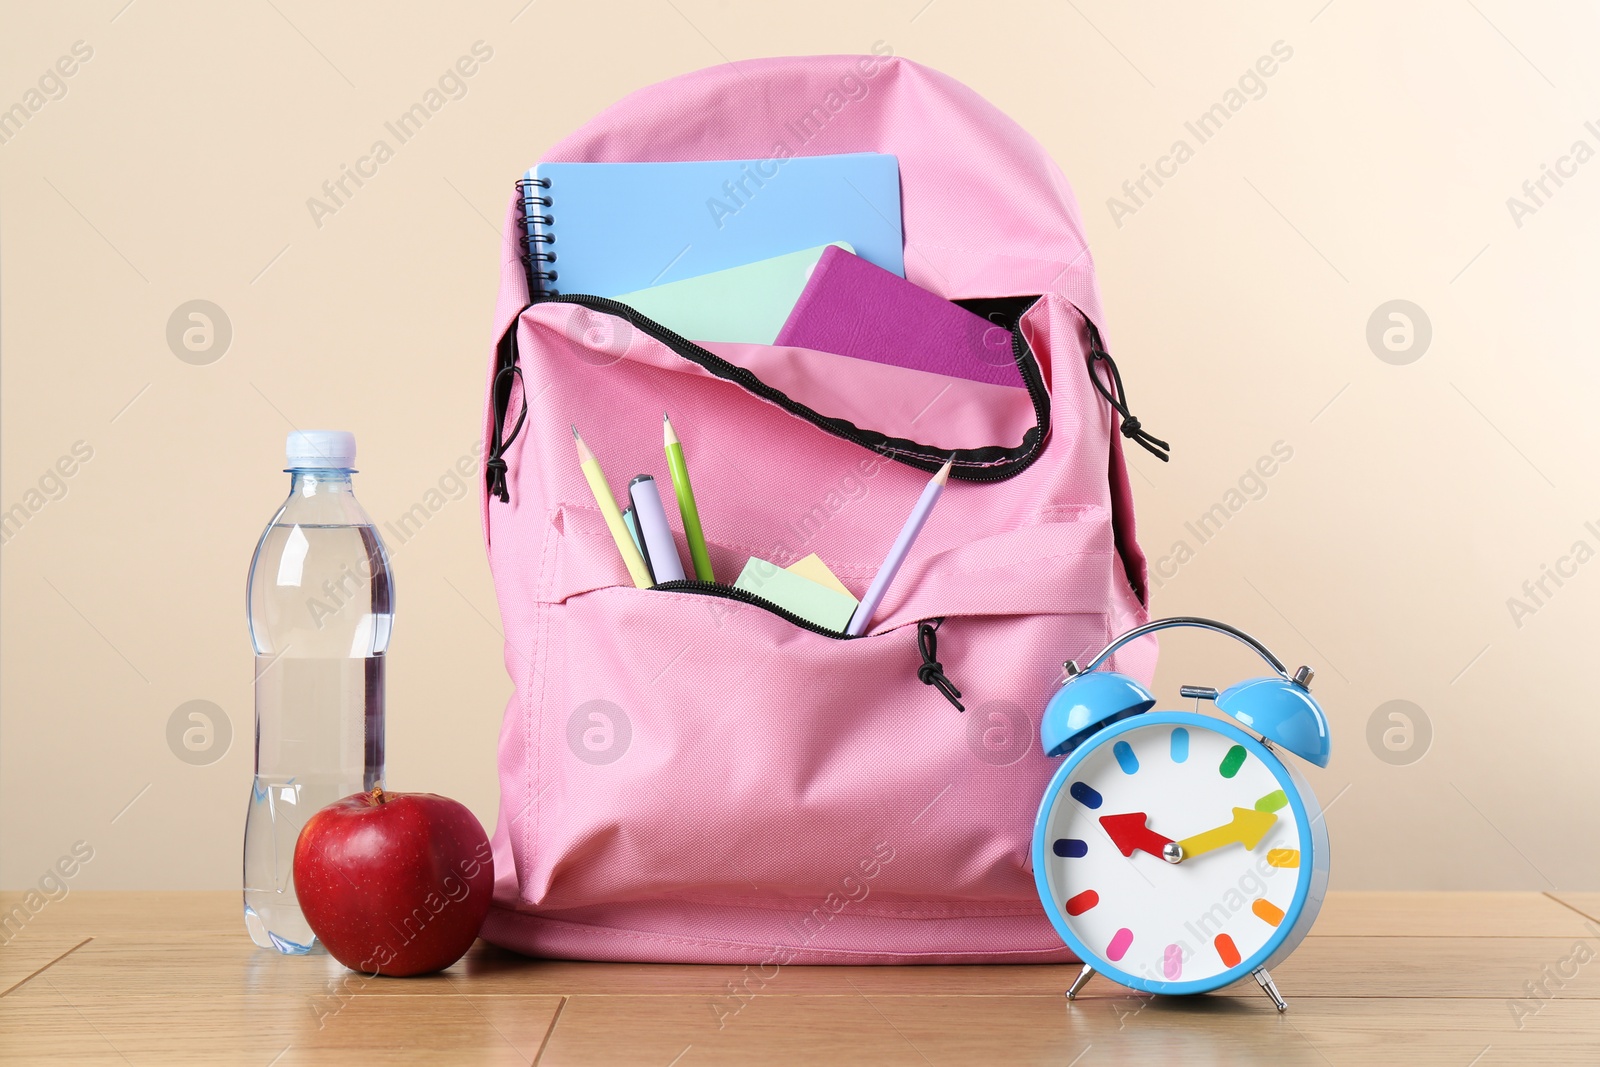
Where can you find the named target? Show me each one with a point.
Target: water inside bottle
(321, 617)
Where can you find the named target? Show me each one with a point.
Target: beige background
(1375, 166)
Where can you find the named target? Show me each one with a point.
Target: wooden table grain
(1461, 979)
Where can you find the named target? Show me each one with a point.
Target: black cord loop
(1118, 398)
(496, 466)
(932, 671)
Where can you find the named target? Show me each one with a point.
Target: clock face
(1162, 787)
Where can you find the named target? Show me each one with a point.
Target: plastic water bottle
(321, 607)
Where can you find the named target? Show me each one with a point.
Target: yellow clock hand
(1247, 828)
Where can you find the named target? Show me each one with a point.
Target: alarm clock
(1178, 852)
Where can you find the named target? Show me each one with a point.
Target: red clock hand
(1130, 834)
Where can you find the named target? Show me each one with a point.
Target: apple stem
(377, 794)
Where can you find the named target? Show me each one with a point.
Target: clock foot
(1079, 982)
(1270, 987)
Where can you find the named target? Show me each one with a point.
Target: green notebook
(748, 304)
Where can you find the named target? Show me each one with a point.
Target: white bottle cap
(321, 448)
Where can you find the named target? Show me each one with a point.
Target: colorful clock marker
(1180, 744)
(1172, 963)
(1283, 857)
(1272, 801)
(1070, 848)
(1082, 902)
(1233, 761)
(1086, 796)
(1118, 946)
(1227, 950)
(1267, 911)
(1125, 757)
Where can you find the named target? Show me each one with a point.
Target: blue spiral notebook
(604, 229)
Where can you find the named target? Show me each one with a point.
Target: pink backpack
(689, 776)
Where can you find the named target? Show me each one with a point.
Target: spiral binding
(536, 254)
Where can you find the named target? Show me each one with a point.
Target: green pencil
(691, 514)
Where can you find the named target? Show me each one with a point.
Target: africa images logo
(1251, 85)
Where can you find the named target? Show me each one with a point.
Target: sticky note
(815, 603)
(813, 568)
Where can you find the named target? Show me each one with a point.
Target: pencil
(608, 507)
(899, 551)
(686, 506)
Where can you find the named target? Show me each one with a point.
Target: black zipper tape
(993, 463)
(728, 592)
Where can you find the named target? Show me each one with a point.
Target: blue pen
(633, 531)
(665, 563)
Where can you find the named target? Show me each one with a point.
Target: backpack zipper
(908, 452)
(920, 458)
(728, 592)
(916, 456)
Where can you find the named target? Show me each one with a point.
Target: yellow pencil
(608, 507)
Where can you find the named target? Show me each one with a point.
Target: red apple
(394, 883)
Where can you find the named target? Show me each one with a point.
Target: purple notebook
(855, 308)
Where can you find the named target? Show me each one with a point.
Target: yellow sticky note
(813, 568)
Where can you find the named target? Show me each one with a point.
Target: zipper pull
(1119, 399)
(495, 467)
(932, 671)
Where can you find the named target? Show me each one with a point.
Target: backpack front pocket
(699, 749)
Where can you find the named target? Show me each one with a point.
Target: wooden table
(1415, 978)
